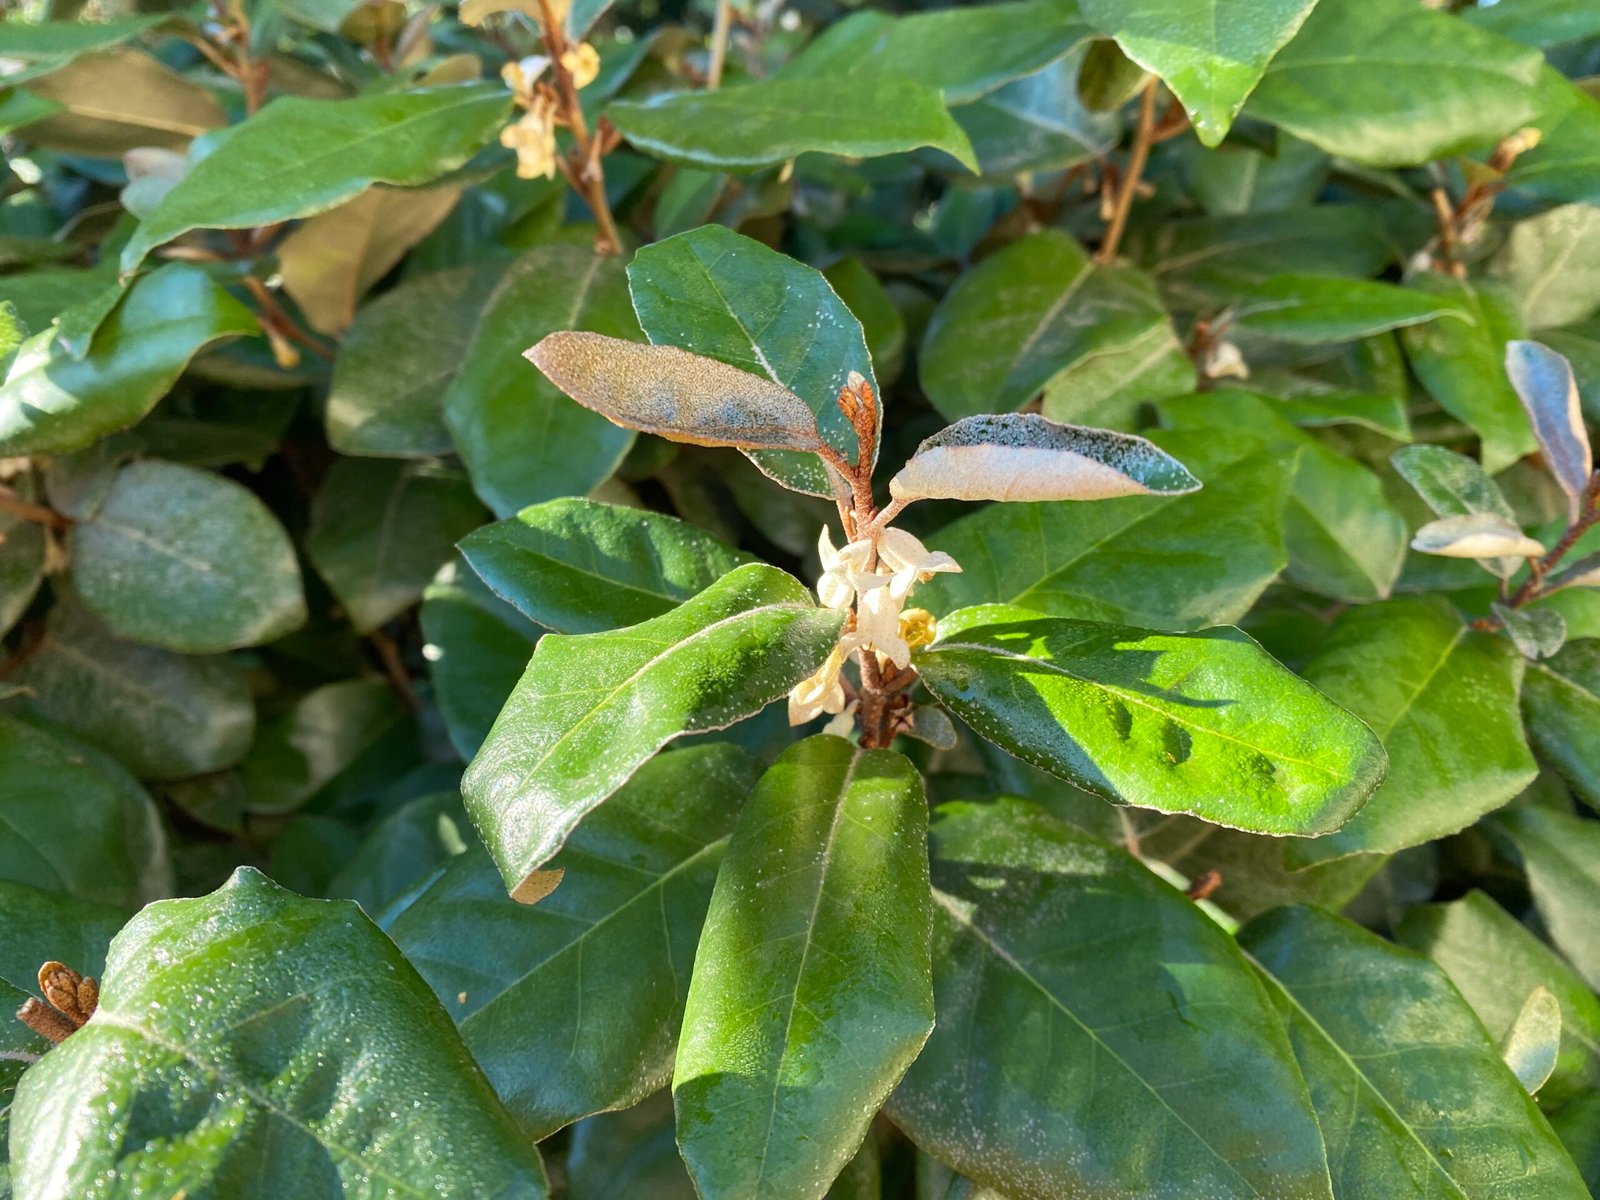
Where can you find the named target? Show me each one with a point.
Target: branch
(1130, 185)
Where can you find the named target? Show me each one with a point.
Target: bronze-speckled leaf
(675, 394)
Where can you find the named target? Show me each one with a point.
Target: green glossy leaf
(763, 124)
(51, 401)
(1239, 178)
(299, 157)
(572, 1006)
(405, 850)
(163, 715)
(523, 440)
(1551, 264)
(187, 560)
(964, 52)
(73, 822)
(1037, 123)
(1039, 310)
(882, 324)
(1560, 170)
(1561, 856)
(1542, 23)
(629, 1153)
(1316, 309)
(383, 400)
(1462, 364)
(1211, 53)
(1207, 724)
(591, 709)
(1413, 1095)
(477, 648)
(381, 529)
(1170, 562)
(39, 47)
(1343, 537)
(1426, 84)
(579, 566)
(700, 290)
(316, 1064)
(812, 989)
(1495, 961)
(1070, 981)
(1443, 698)
(1561, 705)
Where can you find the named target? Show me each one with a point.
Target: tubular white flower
(878, 623)
(910, 560)
(844, 572)
(822, 692)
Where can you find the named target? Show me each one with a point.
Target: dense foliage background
(284, 512)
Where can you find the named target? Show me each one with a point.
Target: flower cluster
(872, 579)
(533, 135)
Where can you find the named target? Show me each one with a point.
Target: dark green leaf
(1071, 981)
(1462, 364)
(75, 823)
(1561, 168)
(1206, 724)
(1495, 962)
(404, 850)
(1211, 53)
(187, 560)
(381, 529)
(1551, 264)
(1426, 84)
(578, 566)
(22, 551)
(764, 124)
(812, 990)
(522, 440)
(1561, 704)
(1179, 562)
(964, 52)
(1542, 23)
(700, 291)
(316, 1065)
(1315, 309)
(591, 709)
(163, 715)
(1040, 310)
(1444, 700)
(630, 1153)
(52, 401)
(1037, 123)
(1413, 1095)
(383, 400)
(1561, 855)
(572, 1005)
(305, 749)
(298, 157)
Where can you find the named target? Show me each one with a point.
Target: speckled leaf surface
(1207, 724)
(812, 989)
(590, 709)
(255, 1044)
(1097, 1035)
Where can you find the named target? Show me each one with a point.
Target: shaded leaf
(1036, 123)
(320, 737)
(38, 47)
(1561, 856)
(1551, 264)
(1206, 724)
(573, 1005)
(117, 99)
(1413, 1095)
(1072, 982)
(812, 989)
(188, 560)
(1561, 704)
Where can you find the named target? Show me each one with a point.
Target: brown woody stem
(1142, 137)
(585, 171)
(37, 514)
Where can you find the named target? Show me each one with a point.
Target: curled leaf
(1475, 535)
(1022, 456)
(1533, 1042)
(1543, 380)
(677, 395)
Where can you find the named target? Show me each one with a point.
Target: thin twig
(395, 668)
(586, 174)
(720, 30)
(36, 514)
(1130, 182)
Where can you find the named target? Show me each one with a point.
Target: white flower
(910, 560)
(842, 724)
(822, 692)
(878, 623)
(844, 572)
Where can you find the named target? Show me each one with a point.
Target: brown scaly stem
(583, 169)
(280, 327)
(1129, 186)
(37, 514)
(1539, 569)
